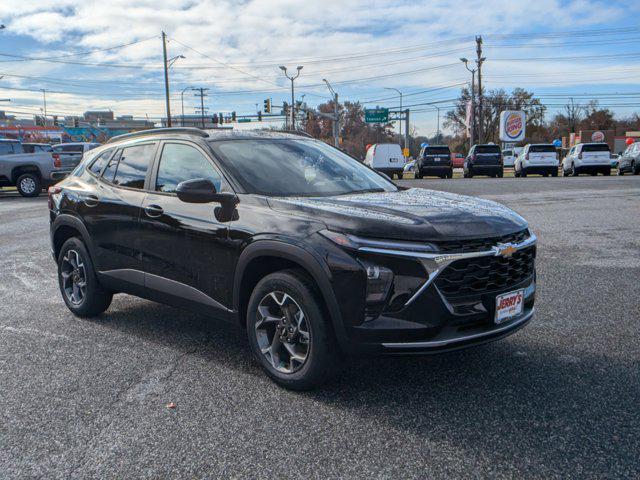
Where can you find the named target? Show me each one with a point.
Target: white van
(386, 158)
(541, 158)
(590, 158)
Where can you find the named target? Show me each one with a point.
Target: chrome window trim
(435, 263)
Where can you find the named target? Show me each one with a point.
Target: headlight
(373, 245)
(379, 281)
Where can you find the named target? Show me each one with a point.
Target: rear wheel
(635, 168)
(523, 172)
(607, 172)
(29, 185)
(80, 289)
(574, 170)
(289, 335)
(554, 173)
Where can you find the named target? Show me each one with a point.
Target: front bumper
(434, 319)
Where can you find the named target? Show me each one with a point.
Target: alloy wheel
(282, 332)
(28, 185)
(74, 277)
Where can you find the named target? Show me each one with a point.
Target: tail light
(473, 157)
(526, 157)
(580, 156)
(56, 160)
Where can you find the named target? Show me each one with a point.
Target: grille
(482, 244)
(486, 274)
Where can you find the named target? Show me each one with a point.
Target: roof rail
(154, 131)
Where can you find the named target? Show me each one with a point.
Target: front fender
(309, 260)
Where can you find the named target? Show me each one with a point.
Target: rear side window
(6, 148)
(99, 163)
(507, 153)
(542, 148)
(133, 165)
(181, 162)
(437, 151)
(487, 149)
(597, 147)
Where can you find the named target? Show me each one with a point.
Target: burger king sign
(512, 125)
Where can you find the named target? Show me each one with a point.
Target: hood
(415, 214)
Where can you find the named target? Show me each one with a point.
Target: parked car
(540, 158)
(457, 160)
(28, 172)
(434, 160)
(629, 161)
(590, 158)
(386, 158)
(484, 160)
(36, 147)
(325, 258)
(71, 153)
(509, 157)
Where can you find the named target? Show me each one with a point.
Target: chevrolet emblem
(505, 250)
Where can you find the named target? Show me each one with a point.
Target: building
(194, 121)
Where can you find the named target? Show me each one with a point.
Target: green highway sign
(244, 120)
(376, 115)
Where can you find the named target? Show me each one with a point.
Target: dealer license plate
(509, 305)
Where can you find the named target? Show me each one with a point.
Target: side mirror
(201, 190)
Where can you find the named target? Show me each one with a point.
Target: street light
(293, 115)
(182, 103)
(173, 60)
(473, 97)
(400, 125)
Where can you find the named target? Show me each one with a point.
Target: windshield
(487, 149)
(297, 167)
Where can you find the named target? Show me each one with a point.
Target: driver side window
(180, 162)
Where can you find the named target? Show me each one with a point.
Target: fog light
(379, 281)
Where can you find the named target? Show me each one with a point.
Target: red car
(457, 160)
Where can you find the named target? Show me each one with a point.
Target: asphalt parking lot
(560, 398)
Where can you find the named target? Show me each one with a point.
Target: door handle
(91, 200)
(153, 211)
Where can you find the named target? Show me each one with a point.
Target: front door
(185, 249)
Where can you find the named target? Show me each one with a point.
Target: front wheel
(290, 337)
(635, 168)
(554, 173)
(80, 289)
(399, 175)
(29, 185)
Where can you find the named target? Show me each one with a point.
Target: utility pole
(44, 96)
(293, 100)
(182, 103)
(336, 115)
(166, 77)
(479, 61)
(201, 95)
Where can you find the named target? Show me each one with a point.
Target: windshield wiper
(365, 190)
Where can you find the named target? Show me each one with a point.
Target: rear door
(596, 153)
(112, 210)
(542, 155)
(488, 155)
(70, 155)
(436, 157)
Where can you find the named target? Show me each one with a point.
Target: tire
(635, 168)
(607, 173)
(418, 175)
(29, 185)
(501, 173)
(295, 290)
(399, 175)
(554, 173)
(523, 173)
(470, 173)
(574, 171)
(95, 299)
(450, 174)
(620, 172)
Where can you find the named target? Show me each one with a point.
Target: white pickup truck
(31, 172)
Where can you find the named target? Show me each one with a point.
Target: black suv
(434, 160)
(315, 254)
(483, 160)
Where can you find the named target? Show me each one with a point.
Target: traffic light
(267, 105)
(220, 118)
(55, 120)
(233, 116)
(259, 116)
(285, 108)
(76, 122)
(214, 120)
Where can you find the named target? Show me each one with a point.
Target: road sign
(405, 152)
(376, 115)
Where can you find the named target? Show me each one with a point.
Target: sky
(91, 55)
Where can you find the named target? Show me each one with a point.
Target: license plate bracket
(508, 306)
